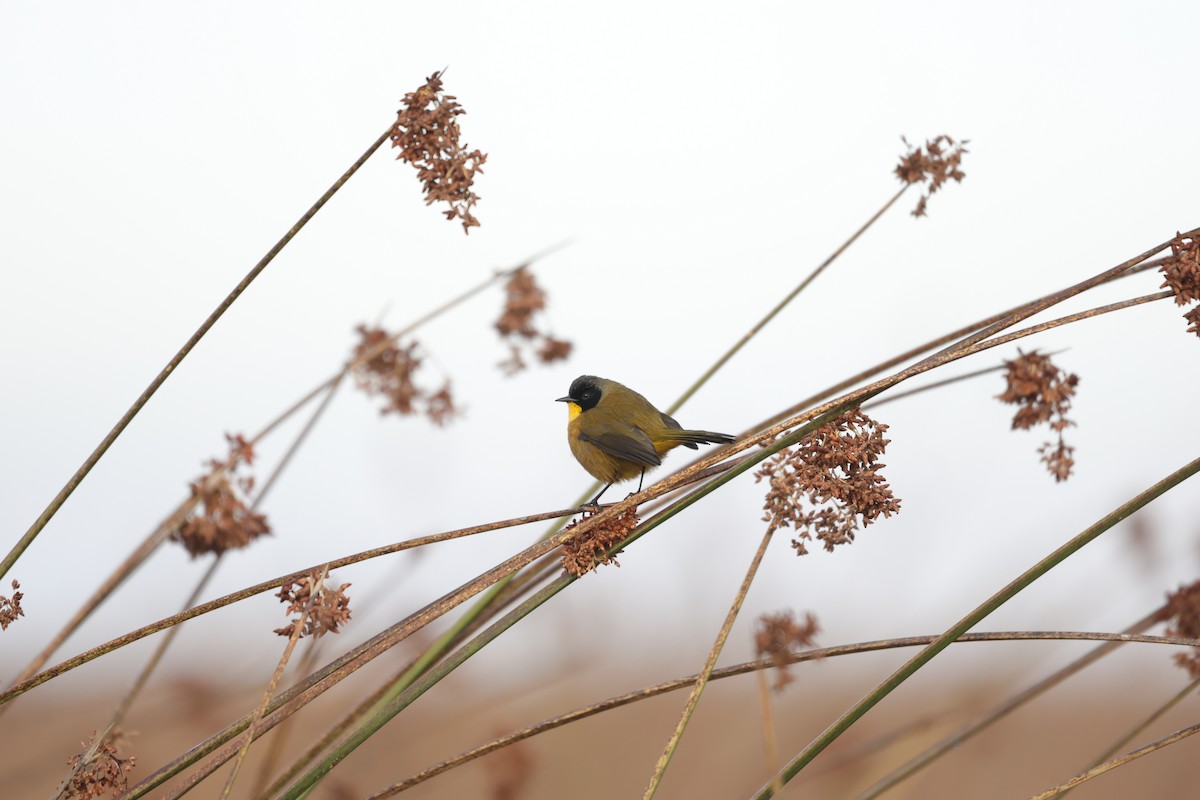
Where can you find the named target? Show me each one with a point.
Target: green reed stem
(843, 723)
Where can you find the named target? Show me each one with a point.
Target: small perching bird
(615, 433)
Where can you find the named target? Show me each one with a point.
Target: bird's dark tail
(693, 438)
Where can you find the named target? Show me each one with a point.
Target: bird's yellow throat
(573, 411)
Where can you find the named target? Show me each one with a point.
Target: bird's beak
(563, 400)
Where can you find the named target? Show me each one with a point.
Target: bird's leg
(640, 479)
(595, 501)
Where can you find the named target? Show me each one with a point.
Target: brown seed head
(588, 551)
(834, 471)
(103, 771)
(1042, 393)
(10, 607)
(1181, 273)
(937, 162)
(383, 367)
(523, 300)
(427, 134)
(222, 520)
(330, 609)
(778, 635)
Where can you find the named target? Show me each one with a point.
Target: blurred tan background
(722, 756)
(700, 160)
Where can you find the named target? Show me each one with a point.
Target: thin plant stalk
(966, 376)
(289, 648)
(163, 531)
(175, 519)
(297, 442)
(329, 735)
(426, 681)
(115, 579)
(660, 768)
(395, 337)
(310, 688)
(376, 699)
(857, 751)
(760, 667)
(923, 349)
(148, 546)
(305, 784)
(506, 593)
(1054, 299)
(430, 678)
(770, 740)
(177, 359)
(976, 616)
(143, 551)
(664, 760)
(1141, 727)
(955, 739)
(160, 651)
(1133, 755)
(277, 746)
(762, 323)
(314, 685)
(266, 586)
(122, 709)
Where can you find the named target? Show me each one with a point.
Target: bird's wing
(624, 441)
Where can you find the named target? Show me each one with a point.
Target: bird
(615, 433)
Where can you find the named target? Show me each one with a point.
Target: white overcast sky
(702, 158)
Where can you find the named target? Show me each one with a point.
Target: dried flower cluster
(383, 367)
(1183, 616)
(589, 551)
(329, 611)
(835, 471)
(1042, 393)
(1181, 274)
(103, 771)
(222, 521)
(523, 299)
(427, 134)
(778, 635)
(10, 607)
(937, 162)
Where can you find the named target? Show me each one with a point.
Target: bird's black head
(584, 392)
